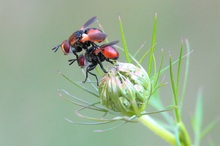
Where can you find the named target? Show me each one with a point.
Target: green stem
(158, 129)
(184, 135)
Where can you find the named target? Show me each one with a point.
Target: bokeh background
(32, 113)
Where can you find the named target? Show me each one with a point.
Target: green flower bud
(126, 88)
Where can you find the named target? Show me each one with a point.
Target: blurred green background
(31, 112)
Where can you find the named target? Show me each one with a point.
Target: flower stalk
(151, 124)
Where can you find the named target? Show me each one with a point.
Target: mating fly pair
(86, 39)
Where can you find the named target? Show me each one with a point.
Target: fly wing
(89, 22)
(109, 44)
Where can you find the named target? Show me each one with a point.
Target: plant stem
(184, 135)
(158, 129)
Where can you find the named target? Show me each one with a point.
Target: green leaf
(173, 82)
(124, 41)
(179, 70)
(99, 71)
(152, 45)
(176, 133)
(209, 128)
(159, 71)
(186, 72)
(80, 86)
(138, 51)
(174, 91)
(144, 56)
(197, 122)
(174, 62)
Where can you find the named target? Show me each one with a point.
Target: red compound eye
(65, 47)
(81, 61)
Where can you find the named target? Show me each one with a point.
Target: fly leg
(88, 71)
(101, 65)
(71, 61)
(110, 61)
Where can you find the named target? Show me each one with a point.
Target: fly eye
(65, 47)
(81, 61)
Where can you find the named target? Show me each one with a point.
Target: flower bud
(126, 88)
